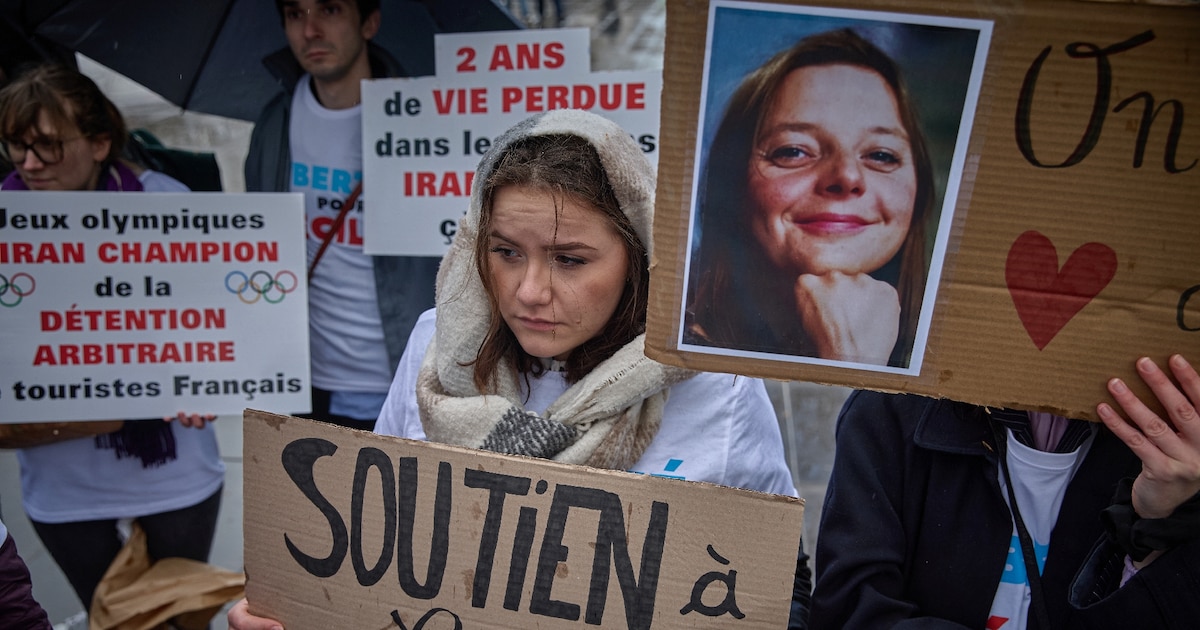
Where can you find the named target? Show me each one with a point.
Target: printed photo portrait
(830, 149)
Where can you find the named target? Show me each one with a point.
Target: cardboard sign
(133, 306)
(347, 529)
(423, 137)
(1064, 247)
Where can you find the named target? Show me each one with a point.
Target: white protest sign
(143, 305)
(423, 137)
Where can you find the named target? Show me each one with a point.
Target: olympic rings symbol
(20, 285)
(261, 284)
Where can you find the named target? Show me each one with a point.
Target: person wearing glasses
(61, 133)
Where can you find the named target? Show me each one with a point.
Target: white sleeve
(399, 415)
(720, 428)
(154, 181)
(757, 459)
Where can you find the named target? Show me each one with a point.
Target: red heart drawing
(1047, 297)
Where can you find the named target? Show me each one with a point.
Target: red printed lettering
(206, 251)
(528, 56)
(448, 184)
(460, 101)
(135, 352)
(350, 233)
(467, 64)
(606, 96)
(40, 253)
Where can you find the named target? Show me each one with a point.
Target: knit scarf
(609, 417)
(606, 420)
(152, 441)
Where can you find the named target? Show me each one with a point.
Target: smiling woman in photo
(813, 209)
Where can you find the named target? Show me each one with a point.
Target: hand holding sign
(240, 619)
(1168, 447)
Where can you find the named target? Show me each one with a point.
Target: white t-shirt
(76, 481)
(718, 428)
(1041, 481)
(345, 331)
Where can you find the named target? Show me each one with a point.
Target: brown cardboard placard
(1070, 247)
(349, 529)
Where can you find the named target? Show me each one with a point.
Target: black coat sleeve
(861, 549)
(1165, 594)
(801, 591)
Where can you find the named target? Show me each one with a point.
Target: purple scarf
(117, 177)
(152, 440)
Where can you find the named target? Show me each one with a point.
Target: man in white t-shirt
(308, 139)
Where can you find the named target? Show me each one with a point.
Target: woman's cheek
(898, 194)
(777, 195)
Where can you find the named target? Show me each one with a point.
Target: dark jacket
(915, 531)
(404, 284)
(18, 609)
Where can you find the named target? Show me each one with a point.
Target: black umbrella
(205, 55)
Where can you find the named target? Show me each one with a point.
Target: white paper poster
(134, 306)
(423, 137)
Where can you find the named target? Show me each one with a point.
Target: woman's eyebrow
(573, 246)
(553, 247)
(884, 130)
(804, 127)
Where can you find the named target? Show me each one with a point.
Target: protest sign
(1060, 237)
(423, 137)
(132, 306)
(347, 529)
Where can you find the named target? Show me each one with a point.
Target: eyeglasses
(47, 150)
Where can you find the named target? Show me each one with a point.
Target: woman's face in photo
(557, 267)
(60, 158)
(831, 178)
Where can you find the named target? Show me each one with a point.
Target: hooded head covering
(607, 418)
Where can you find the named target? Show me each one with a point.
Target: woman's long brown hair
(567, 167)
